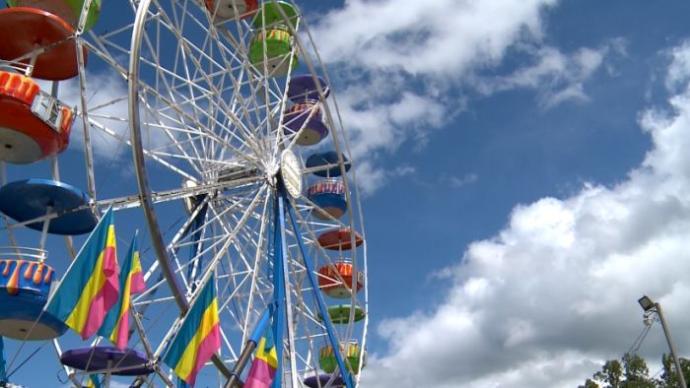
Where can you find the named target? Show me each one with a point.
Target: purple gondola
(305, 116)
(321, 381)
(127, 362)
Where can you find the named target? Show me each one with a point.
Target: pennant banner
(116, 323)
(263, 369)
(198, 338)
(90, 287)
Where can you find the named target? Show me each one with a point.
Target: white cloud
(679, 72)
(370, 179)
(106, 98)
(556, 76)
(407, 65)
(443, 37)
(376, 126)
(458, 182)
(543, 302)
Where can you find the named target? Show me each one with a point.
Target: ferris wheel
(242, 179)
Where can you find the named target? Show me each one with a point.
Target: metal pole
(672, 348)
(3, 372)
(250, 346)
(286, 284)
(330, 330)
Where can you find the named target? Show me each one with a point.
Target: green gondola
(352, 353)
(274, 24)
(340, 314)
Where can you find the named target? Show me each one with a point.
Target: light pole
(653, 307)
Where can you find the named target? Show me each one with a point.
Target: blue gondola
(329, 196)
(24, 287)
(325, 164)
(29, 199)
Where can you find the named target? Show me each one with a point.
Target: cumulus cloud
(404, 68)
(106, 97)
(370, 179)
(442, 37)
(107, 101)
(550, 296)
(679, 72)
(556, 76)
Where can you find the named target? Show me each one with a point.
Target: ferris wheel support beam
(280, 226)
(278, 292)
(330, 330)
(3, 371)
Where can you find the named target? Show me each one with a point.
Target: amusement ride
(210, 125)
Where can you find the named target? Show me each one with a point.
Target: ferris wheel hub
(291, 173)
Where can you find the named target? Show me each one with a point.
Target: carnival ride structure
(241, 176)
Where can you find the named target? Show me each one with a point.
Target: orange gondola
(330, 279)
(33, 125)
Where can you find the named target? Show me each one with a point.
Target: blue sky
(542, 110)
(525, 176)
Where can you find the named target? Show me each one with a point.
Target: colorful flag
(265, 363)
(90, 287)
(198, 338)
(116, 323)
(93, 382)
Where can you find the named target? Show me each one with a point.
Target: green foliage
(631, 371)
(669, 377)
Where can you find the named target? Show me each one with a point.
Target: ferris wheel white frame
(147, 198)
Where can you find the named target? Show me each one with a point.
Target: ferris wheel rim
(140, 160)
(140, 167)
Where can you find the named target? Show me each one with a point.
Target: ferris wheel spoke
(168, 104)
(152, 113)
(228, 239)
(252, 103)
(260, 252)
(190, 53)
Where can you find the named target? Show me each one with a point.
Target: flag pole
(249, 347)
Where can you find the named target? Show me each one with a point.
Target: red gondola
(39, 39)
(340, 239)
(330, 283)
(33, 125)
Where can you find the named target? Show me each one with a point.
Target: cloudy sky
(527, 180)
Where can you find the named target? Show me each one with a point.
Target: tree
(630, 372)
(636, 372)
(669, 378)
